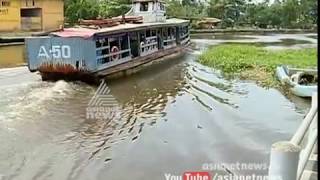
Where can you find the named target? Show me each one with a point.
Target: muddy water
(173, 117)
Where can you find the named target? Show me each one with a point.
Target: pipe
(300, 133)
(304, 156)
(284, 160)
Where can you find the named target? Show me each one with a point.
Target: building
(31, 15)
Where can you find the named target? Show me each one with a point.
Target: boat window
(144, 6)
(162, 8)
(165, 33)
(105, 45)
(114, 42)
(134, 44)
(103, 49)
(142, 36)
(171, 32)
(102, 42)
(148, 33)
(98, 44)
(124, 42)
(153, 32)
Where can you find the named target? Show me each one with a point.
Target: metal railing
(288, 159)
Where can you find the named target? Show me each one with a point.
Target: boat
(105, 47)
(302, 82)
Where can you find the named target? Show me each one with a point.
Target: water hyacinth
(254, 62)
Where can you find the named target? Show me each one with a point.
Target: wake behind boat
(105, 47)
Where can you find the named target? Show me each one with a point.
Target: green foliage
(262, 15)
(81, 9)
(233, 13)
(185, 9)
(114, 7)
(230, 11)
(91, 9)
(243, 59)
(286, 13)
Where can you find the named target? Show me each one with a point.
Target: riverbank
(256, 63)
(251, 30)
(16, 34)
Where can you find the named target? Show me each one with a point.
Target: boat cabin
(150, 10)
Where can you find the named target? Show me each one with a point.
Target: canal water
(176, 116)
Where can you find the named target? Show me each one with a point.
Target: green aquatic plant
(254, 62)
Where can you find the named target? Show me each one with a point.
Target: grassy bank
(256, 63)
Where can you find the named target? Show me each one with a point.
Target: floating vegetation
(256, 63)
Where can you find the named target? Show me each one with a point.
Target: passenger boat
(302, 82)
(142, 35)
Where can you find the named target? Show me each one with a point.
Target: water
(174, 117)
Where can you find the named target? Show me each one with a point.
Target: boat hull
(295, 88)
(118, 71)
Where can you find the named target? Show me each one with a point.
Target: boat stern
(60, 55)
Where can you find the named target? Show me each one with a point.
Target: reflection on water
(173, 117)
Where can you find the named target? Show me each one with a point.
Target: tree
(230, 11)
(185, 8)
(281, 13)
(81, 9)
(91, 9)
(111, 8)
(290, 13)
(216, 8)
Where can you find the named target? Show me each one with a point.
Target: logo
(196, 176)
(102, 105)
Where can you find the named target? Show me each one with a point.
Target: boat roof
(210, 20)
(87, 32)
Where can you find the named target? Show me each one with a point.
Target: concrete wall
(12, 55)
(10, 16)
(52, 14)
